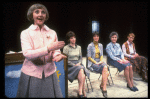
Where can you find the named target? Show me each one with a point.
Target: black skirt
(30, 86)
(74, 70)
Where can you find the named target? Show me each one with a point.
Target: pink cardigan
(34, 46)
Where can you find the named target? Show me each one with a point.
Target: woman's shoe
(135, 88)
(84, 94)
(131, 88)
(104, 93)
(80, 96)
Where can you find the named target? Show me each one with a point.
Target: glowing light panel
(95, 26)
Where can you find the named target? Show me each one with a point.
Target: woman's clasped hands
(123, 61)
(98, 63)
(55, 46)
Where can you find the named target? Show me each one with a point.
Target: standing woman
(95, 60)
(116, 58)
(76, 70)
(40, 48)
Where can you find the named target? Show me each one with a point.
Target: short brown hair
(131, 34)
(36, 6)
(93, 34)
(69, 35)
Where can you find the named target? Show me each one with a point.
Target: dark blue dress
(114, 54)
(117, 64)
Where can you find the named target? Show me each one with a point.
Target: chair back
(89, 68)
(86, 62)
(108, 58)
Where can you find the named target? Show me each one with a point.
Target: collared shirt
(34, 44)
(131, 49)
(73, 53)
(91, 52)
(97, 53)
(114, 50)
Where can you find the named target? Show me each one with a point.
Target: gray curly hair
(112, 34)
(36, 6)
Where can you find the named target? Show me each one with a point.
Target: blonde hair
(36, 6)
(131, 34)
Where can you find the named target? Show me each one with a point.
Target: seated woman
(95, 60)
(116, 58)
(139, 63)
(76, 70)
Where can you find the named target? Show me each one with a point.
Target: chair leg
(87, 84)
(117, 72)
(90, 84)
(110, 76)
(99, 76)
(108, 81)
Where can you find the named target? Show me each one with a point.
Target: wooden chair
(66, 74)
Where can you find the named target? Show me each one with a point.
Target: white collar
(129, 42)
(34, 27)
(113, 44)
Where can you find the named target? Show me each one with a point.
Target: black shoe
(131, 88)
(80, 96)
(135, 88)
(104, 93)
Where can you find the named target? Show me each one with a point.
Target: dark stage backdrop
(123, 17)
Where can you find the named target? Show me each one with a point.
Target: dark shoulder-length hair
(112, 34)
(69, 35)
(36, 6)
(93, 34)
